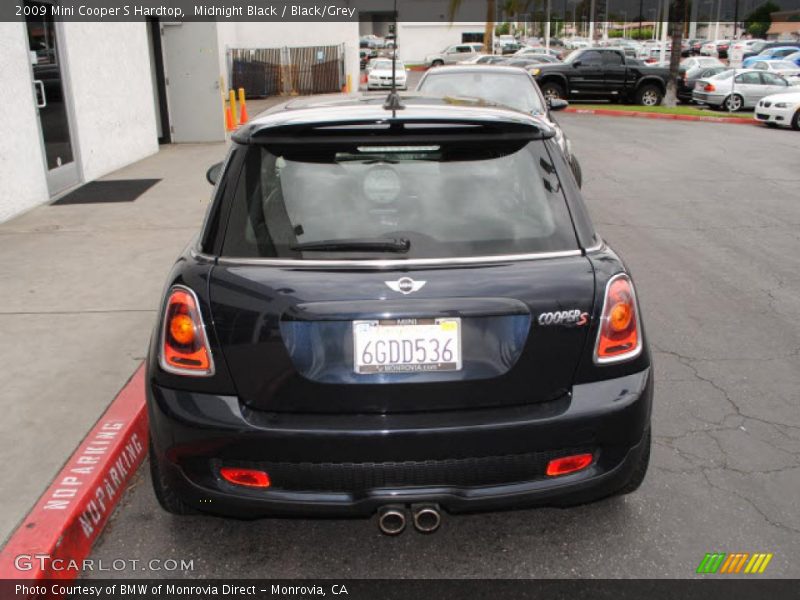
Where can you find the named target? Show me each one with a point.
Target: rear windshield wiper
(401, 245)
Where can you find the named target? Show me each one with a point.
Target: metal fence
(273, 71)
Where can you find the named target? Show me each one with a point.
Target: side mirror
(576, 63)
(556, 104)
(213, 173)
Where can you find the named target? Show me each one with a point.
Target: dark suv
(401, 310)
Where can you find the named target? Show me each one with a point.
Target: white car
(379, 75)
(779, 110)
(483, 59)
(784, 68)
(453, 54)
(711, 48)
(706, 62)
(738, 48)
(575, 43)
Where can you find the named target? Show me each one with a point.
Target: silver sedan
(736, 89)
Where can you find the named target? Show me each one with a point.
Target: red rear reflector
(568, 464)
(618, 338)
(245, 477)
(709, 87)
(184, 346)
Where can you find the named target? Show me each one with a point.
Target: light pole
(547, 28)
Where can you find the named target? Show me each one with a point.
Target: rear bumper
(193, 434)
(706, 98)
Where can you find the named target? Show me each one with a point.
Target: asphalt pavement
(707, 217)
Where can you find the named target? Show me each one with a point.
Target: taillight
(709, 87)
(184, 345)
(245, 477)
(568, 464)
(619, 337)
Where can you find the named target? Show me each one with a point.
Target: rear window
(438, 201)
(514, 90)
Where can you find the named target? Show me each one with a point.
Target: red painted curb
(59, 531)
(607, 112)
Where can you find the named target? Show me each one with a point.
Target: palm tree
(452, 9)
(678, 14)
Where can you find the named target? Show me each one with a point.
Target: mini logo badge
(405, 285)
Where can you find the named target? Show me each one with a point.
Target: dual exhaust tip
(425, 517)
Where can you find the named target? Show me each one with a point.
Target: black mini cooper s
(396, 311)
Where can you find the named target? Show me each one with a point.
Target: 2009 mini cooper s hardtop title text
(401, 312)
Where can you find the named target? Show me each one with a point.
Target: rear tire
(648, 95)
(796, 121)
(553, 91)
(165, 495)
(437, 63)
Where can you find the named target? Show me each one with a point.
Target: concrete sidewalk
(79, 286)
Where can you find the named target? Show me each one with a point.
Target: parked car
(538, 51)
(526, 61)
(687, 78)
(794, 57)
(365, 55)
(780, 110)
(631, 50)
(788, 70)
(451, 55)
(769, 46)
(379, 76)
(775, 53)
(484, 59)
(542, 58)
(506, 44)
(700, 62)
(743, 90)
(361, 327)
(502, 85)
(695, 45)
(602, 73)
(574, 43)
(717, 48)
(740, 48)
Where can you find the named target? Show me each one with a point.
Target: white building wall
(22, 166)
(109, 83)
(416, 40)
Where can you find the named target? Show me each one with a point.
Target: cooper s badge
(564, 317)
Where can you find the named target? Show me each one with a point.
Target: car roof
(324, 110)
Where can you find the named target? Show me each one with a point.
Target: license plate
(407, 345)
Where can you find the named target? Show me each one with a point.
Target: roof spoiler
(397, 130)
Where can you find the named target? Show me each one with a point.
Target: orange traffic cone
(242, 113)
(229, 124)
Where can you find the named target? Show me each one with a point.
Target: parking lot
(707, 218)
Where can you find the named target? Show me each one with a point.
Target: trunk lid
(287, 334)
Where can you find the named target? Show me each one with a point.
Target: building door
(51, 99)
(154, 46)
(192, 65)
